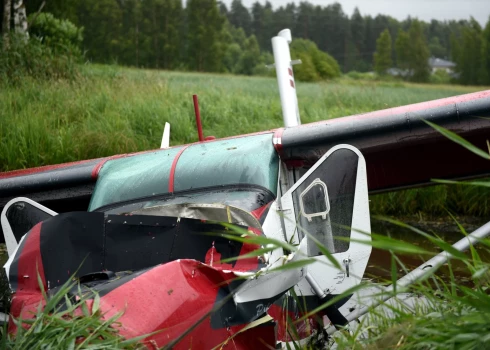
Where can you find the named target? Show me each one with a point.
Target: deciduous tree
(20, 18)
(205, 46)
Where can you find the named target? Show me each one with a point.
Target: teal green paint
(243, 160)
(132, 177)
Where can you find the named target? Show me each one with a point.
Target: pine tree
(418, 53)
(469, 58)
(359, 34)
(102, 20)
(205, 47)
(382, 56)
(162, 28)
(402, 48)
(284, 17)
(240, 17)
(485, 55)
(262, 24)
(133, 37)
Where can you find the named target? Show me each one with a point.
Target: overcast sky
(400, 9)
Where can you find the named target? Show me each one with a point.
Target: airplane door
(328, 202)
(18, 217)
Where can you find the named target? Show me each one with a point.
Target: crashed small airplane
(145, 230)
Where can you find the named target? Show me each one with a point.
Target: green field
(112, 110)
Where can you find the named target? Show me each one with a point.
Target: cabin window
(324, 203)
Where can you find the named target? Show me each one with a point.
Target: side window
(18, 217)
(323, 203)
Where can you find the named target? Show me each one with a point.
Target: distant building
(435, 64)
(440, 64)
(397, 72)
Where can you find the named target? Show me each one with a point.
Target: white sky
(401, 9)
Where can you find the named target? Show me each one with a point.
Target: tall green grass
(111, 110)
(63, 323)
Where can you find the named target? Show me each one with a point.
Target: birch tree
(20, 18)
(7, 5)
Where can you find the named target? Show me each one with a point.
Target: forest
(208, 36)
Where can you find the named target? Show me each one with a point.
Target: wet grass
(112, 110)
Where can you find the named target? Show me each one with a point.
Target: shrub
(32, 58)
(52, 52)
(316, 64)
(440, 77)
(62, 36)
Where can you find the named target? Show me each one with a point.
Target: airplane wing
(400, 149)
(58, 186)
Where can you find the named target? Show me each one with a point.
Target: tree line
(207, 35)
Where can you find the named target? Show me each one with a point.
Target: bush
(316, 64)
(440, 77)
(62, 36)
(32, 58)
(52, 52)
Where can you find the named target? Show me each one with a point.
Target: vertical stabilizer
(285, 78)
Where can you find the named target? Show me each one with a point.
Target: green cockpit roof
(249, 160)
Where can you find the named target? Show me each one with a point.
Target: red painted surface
(28, 295)
(286, 322)
(31, 171)
(257, 213)
(96, 169)
(294, 163)
(198, 118)
(171, 178)
(277, 140)
(171, 299)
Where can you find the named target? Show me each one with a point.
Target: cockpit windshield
(244, 197)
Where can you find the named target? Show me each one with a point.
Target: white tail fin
(285, 78)
(166, 136)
